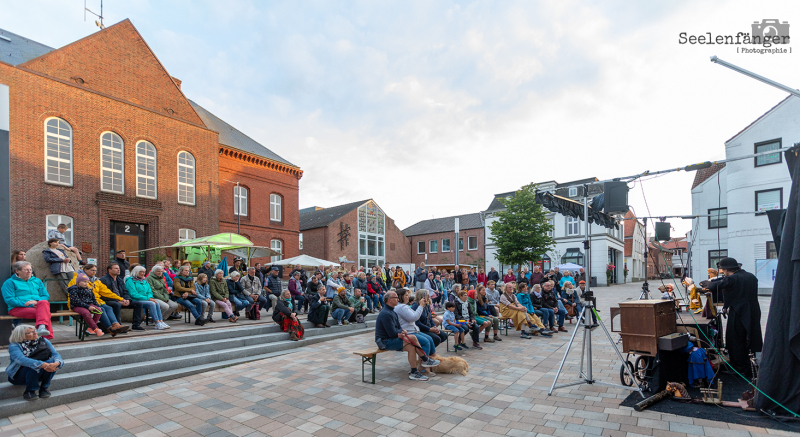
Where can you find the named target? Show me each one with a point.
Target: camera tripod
(645, 295)
(585, 377)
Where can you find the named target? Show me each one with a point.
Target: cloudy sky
(430, 108)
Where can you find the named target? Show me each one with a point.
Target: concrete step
(87, 384)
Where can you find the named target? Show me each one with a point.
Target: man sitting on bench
(389, 333)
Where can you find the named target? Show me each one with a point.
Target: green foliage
(520, 233)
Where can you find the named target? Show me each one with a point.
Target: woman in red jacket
(482, 278)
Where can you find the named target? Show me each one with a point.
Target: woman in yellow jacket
(108, 321)
(399, 277)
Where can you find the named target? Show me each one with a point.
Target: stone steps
(106, 367)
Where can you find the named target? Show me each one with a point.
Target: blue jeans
(372, 300)
(562, 312)
(193, 304)
(241, 302)
(107, 318)
(31, 379)
(154, 308)
(548, 316)
(425, 343)
(297, 304)
(340, 314)
(429, 336)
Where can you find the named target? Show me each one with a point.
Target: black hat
(728, 264)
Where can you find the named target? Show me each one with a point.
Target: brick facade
(466, 256)
(261, 179)
(35, 97)
(323, 242)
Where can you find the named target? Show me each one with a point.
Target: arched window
(239, 200)
(58, 152)
(112, 163)
(146, 185)
(52, 222)
(277, 246)
(275, 207)
(186, 178)
(186, 234)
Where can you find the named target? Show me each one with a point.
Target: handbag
(571, 311)
(42, 352)
(254, 313)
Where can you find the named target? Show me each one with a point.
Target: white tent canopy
(305, 261)
(569, 266)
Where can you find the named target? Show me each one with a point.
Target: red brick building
(102, 138)
(433, 241)
(359, 231)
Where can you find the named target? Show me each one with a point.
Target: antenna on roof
(99, 22)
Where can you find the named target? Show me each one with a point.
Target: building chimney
(177, 81)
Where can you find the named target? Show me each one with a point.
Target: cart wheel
(641, 367)
(624, 376)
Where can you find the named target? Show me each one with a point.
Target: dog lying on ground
(450, 365)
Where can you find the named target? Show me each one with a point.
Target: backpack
(254, 313)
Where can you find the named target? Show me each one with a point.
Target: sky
(431, 108)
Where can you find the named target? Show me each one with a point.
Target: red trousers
(90, 319)
(41, 313)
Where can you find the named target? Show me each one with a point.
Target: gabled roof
(232, 137)
(496, 205)
(757, 119)
(704, 173)
(323, 217)
(444, 224)
(578, 182)
(15, 49)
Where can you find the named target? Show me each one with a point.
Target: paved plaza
(318, 391)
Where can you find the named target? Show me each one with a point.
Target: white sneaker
(160, 325)
(164, 324)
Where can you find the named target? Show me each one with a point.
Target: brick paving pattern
(318, 391)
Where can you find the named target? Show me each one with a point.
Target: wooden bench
(369, 356)
(80, 325)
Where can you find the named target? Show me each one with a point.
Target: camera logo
(770, 30)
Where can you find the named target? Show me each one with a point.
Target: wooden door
(130, 244)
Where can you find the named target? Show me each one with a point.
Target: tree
(520, 233)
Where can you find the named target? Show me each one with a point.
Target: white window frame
(573, 191)
(238, 198)
(60, 218)
(186, 234)
(57, 137)
(112, 151)
(420, 244)
(154, 178)
(552, 231)
(469, 242)
(187, 185)
(433, 246)
(275, 207)
(449, 247)
(276, 245)
(573, 221)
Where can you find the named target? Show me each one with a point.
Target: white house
(634, 248)
(749, 185)
(607, 244)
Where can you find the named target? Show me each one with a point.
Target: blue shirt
(449, 316)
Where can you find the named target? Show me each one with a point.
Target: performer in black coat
(743, 330)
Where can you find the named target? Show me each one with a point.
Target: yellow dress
(694, 298)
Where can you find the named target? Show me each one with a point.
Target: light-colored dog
(450, 365)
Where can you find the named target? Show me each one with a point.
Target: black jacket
(118, 286)
(312, 290)
(274, 284)
(281, 312)
(124, 266)
(208, 271)
(387, 326)
(493, 276)
(235, 288)
(460, 314)
(741, 298)
(425, 321)
(549, 299)
(537, 302)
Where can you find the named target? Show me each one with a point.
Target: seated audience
(285, 316)
(108, 319)
(408, 317)
(59, 262)
(161, 293)
(537, 301)
(274, 285)
(115, 283)
(236, 293)
(26, 298)
(139, 288)
(311, 292)
(480, 306)
(203, 292)
(550, 301)
(185, 294)
(464, 312)
(33, 362)
(569, 297)
(219, 292)
(58, 234)
(296, 290)
(510, 308)
(451, 324)
(393, 337)
(81, 300)
(319, 309)
(341, 308)
(426, 324)
(359, 305)
(252, 288)
(207, 269)
(375, 293)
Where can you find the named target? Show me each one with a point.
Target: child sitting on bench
(451, 325)
(83, 302)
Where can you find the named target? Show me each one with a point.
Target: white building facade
(569, 234)
(634, 250)
(748, 185)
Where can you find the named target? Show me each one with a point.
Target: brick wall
(34, 98)
(398, 246)
(314, 243)
(446, 258)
